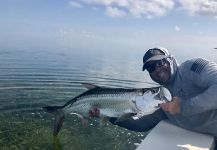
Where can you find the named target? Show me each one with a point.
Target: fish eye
(141, 92)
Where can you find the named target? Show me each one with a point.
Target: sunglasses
(153, 66)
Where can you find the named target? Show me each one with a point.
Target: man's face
(160, 72)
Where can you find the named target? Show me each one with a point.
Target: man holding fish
(193, 86)
(191, 105)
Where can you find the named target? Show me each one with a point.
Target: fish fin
(57, 143)
(84, 121)
(59, 117)
(104, 120)
(89, 86)
(125, 117)
(52, 109)
(159, 94)
(165, 94)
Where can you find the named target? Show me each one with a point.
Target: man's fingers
(94, 112)
(164, 106)
(171, 107)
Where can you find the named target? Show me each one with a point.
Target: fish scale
(111, 102)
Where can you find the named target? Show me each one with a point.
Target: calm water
(30, 80)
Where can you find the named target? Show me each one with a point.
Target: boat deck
(166, 136)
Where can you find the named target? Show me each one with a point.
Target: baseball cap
(154, 54)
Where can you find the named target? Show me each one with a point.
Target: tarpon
(111, 102)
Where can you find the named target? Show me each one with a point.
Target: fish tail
(59, 117)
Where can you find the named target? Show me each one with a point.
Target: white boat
(166, 136)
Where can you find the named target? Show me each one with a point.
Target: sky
(185, 27)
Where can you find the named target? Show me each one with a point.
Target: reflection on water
(30, 80)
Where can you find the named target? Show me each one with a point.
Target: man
(193, 86)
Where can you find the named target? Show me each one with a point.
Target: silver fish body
(112, 102)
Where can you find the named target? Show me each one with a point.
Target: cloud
(75, 4)
(120, 3)
(150, 9)
(200, 7)
(135, 8)
(114, 12)
(87, 34)
(177, 28)
(200, 32)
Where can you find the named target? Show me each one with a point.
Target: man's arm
(204, 77)
(142, 124)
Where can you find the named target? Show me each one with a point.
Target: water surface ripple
(30, 80)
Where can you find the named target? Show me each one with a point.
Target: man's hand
(172, 107)
(94, 112)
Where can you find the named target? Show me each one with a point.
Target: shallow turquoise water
(30, 80)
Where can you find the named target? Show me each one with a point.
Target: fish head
(151, 98)
(163, 95)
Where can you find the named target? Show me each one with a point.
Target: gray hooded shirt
(195, 83)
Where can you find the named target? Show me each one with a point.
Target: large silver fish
(111, 102)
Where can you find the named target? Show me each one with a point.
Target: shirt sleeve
(203, 74)
(142, 124)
